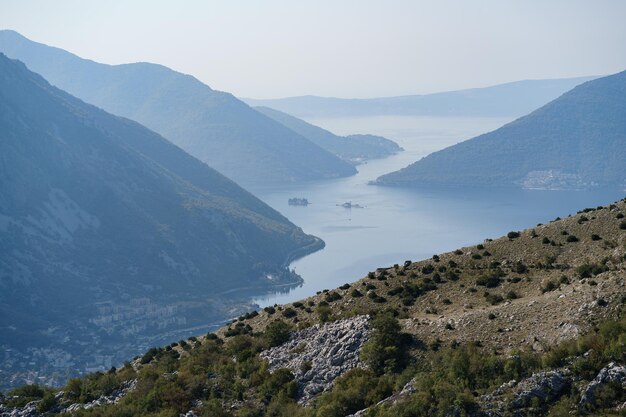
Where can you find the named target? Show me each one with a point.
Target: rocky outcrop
(319, 354)
(612, 373)
(407, 390)
(30, 409)
(541, 387)
(113, 398)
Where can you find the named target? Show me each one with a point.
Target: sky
(338, 48)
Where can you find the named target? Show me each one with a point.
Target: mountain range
(503, 100)
(110, 234)
(577, 141)
(211, 125)
(354, 148)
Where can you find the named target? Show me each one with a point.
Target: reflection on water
(399, 224)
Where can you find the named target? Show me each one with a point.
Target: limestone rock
(319, 354)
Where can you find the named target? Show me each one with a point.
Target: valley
(398, 224)
(312, 209)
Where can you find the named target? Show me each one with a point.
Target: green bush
(277, 333)
(589, 270)
(386, 349)
(549, 286)
(356, 293)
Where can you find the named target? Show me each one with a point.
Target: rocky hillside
(574, 142)
(113, 236)
(529, 324)
(211, 125)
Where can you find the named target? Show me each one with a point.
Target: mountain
(213, 126)
(353, 148)
(111, 235)
(575, 141)
(503, 100)
(528, 324)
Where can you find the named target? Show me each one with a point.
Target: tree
(385, 350)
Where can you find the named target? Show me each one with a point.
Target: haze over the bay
(353, 48)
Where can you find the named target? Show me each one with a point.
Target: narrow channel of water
(399, 224)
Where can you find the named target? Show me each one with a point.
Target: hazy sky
(343, 48)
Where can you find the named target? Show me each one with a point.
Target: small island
(298, 201)
(350, 205)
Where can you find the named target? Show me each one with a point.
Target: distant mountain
(354, 148)
(504, 100)
(576, 141)
(213, 126)
(109, 234)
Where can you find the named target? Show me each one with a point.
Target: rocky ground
(319, 354)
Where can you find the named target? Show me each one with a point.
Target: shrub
(489, 281)
(385, 351)
(513, 235)
(511, 295)
(520, 268)
(332, 296)
(25, 394)
(589, 270)
(622, 225)
(494, 299)
(269, 310)
(324, 313)
(549, 286)
(571, 239)
(356, 293)
(149, 355)
(545, 241)
(396, 291)
(452, 276)
(289, 312)
(595, 237)
(428, 269)
(277, 333)
(344, 287)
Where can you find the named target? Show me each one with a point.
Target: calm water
(398, 224)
